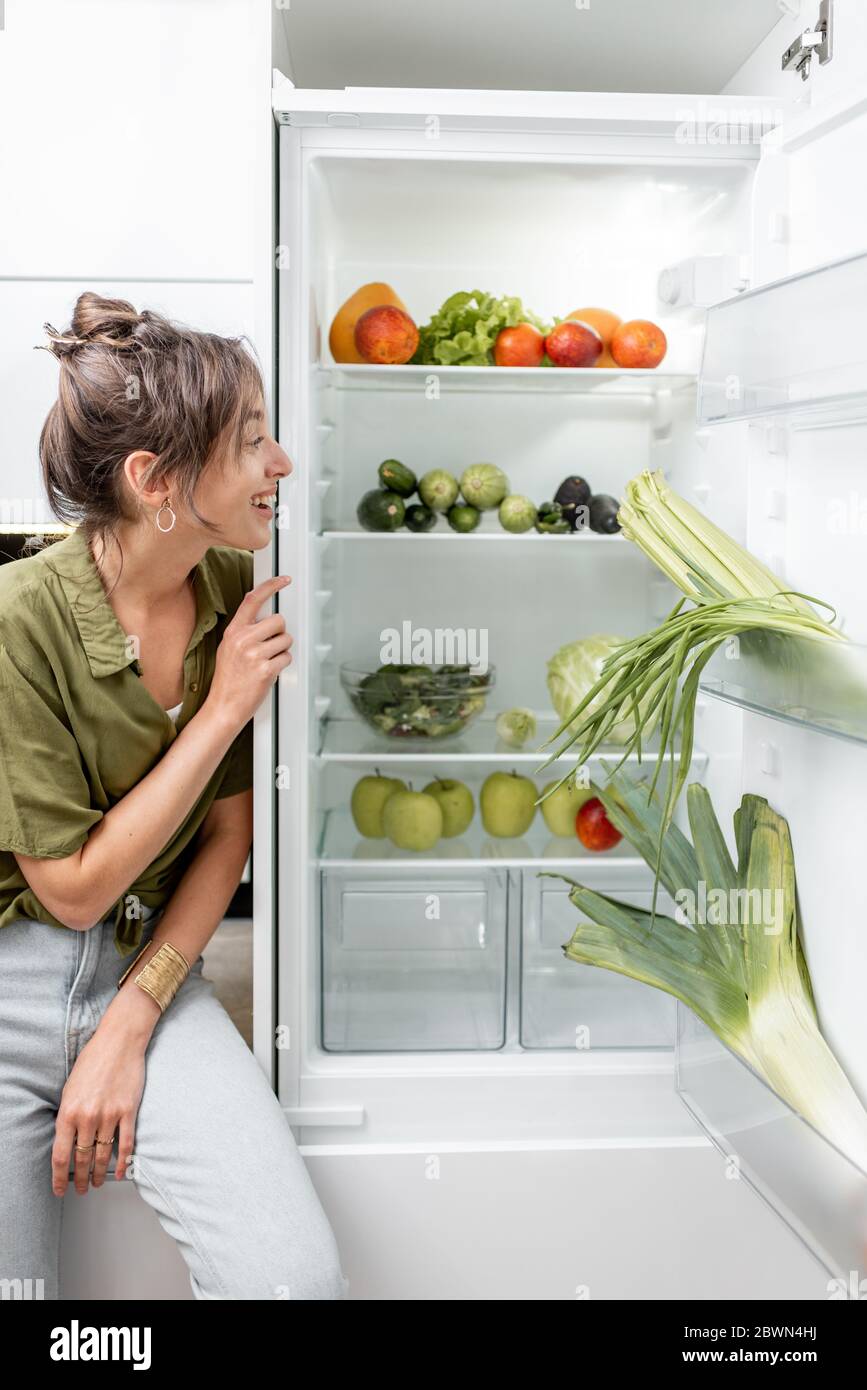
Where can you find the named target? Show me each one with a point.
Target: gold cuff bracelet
(163, 974)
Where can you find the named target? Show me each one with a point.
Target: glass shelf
(794, 348)
(616, 381)
(816, 685)
(341, 844)
(351, 741)
(578, 538)
(818, 1192)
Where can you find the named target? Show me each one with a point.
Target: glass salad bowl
(417, 701)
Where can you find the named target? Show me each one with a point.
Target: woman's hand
(102, 1091)
(252, 653)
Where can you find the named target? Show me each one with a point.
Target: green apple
(456, 803)
(412, 820)
(508, 804)
(369, 796)
(562, 806)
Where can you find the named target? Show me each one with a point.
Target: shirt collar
(102, 636)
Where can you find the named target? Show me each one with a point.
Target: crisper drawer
(566, 1004)
(413, 963)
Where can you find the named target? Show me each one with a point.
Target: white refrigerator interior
(432, 1039)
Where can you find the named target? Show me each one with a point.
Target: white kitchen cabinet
(108, 100)
(28, 379)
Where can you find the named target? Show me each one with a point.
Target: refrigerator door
(784, 388)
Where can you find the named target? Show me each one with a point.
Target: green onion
(731, 593)
(746, 979)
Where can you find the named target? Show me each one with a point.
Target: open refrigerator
(419, 1003)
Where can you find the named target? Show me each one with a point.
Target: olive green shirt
(79, 729)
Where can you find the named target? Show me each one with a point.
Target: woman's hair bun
(100, 320)
(109, 322)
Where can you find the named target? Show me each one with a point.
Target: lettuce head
(574, 670)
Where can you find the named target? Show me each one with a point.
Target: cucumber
(396, 477)
(380, 511)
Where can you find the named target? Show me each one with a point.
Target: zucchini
(396, 477)
(380, 511)
(419, 517)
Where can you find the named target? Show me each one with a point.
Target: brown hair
(129, 381)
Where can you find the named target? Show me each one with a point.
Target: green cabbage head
(574, 669)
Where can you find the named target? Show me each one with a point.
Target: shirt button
(194, 685)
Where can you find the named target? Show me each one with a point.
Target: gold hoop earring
(164, 529)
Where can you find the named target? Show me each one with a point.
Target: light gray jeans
(213, 1153)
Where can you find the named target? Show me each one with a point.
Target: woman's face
(226, 495)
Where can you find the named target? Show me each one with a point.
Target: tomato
(593, 827)
(522, 346)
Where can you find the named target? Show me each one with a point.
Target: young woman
(132, 659)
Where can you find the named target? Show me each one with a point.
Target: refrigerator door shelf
(414, 966)
(818, 1192)
(791, 350)
(816, 685)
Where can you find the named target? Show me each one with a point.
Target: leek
(657, 675)
(746, 979)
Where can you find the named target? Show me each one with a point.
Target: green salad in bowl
(417, 701)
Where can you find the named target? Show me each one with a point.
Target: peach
(605, 323)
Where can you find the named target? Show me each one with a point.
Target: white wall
(131, 144)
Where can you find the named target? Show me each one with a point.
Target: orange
(638, 343)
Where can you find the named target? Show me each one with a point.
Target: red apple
(574, 343)
(593, 827)
(638, 343)
(386, 334)
(522, 346)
